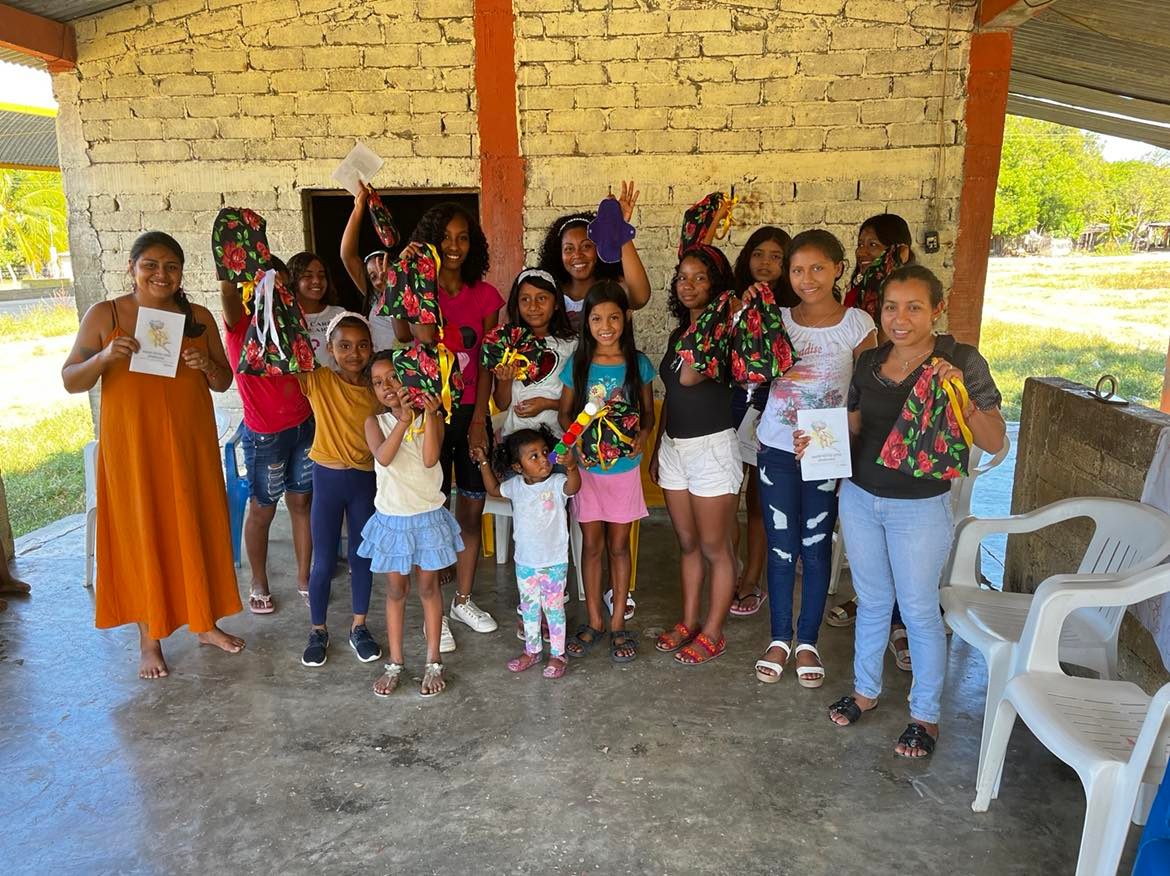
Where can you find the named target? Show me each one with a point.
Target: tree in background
(1133, 192)
(32, 217)
(1047, 176)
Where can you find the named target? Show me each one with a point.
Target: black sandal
(586, 645)
(916, 737)
(847, 707)
(619, 640)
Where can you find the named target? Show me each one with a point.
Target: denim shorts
(279, 462)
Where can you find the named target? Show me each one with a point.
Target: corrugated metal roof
(28, 138)
(1102, 66)
(65, 10)
(11, 56)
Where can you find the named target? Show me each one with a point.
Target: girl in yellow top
(343, 480)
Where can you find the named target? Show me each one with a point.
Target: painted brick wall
(180, 106)
(822, 112)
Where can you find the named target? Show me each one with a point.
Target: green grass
(1017, 351)
(44, 477)
(50, 319)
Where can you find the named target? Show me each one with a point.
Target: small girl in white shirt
(541, 537)
(411, 528)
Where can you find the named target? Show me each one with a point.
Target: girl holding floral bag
(908, 443)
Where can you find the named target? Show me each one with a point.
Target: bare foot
(433, 681)
(152, 665)
(13, 586)
(221, 640)
(387, 682)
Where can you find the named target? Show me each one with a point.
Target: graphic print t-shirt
(608, 383)
(820, 379)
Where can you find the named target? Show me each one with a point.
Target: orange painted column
(502, 178)
(987, 91)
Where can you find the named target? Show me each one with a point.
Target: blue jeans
(897, 548)
(278, 462)
(799, 517)
(336, 492)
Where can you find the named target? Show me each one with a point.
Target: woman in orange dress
(164, 554)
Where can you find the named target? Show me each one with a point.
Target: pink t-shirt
(271, 404)
(463, 334)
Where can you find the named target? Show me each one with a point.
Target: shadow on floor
(255, 764)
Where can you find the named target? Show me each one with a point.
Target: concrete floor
(254, 764)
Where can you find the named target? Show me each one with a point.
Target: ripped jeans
(799, 517)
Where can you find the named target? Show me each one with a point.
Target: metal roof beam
(39, 37)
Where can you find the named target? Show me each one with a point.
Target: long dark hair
(612, 292)
(192, 328)
(299, 264)
(785, 297)
(550, 249)
(891, 230)
(433, 226)
(718, 272)
(506, 453)
(559, 326)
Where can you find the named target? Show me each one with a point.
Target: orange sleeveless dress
(164, 555)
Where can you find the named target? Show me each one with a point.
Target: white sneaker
(446, 640)
(472, 615)
(630, 604)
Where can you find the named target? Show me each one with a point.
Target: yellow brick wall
(821, 112)
(180, 106)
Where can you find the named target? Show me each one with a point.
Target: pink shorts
(613, 498)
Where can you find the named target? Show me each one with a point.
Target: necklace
(820, 322)
(914, 360)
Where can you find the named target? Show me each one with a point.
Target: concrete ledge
(1072, 445)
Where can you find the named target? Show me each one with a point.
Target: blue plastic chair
(237, 492)
(1153, 857)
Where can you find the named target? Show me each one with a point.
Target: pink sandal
(524, 661)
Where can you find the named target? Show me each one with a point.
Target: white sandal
(777, 668)
(810, 676)
(392, 670)
(432, 671)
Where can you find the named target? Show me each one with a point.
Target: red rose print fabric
(760, 349)
(700, 217)
(412, 292)
(511, 344)
(429, 368)
(706, 344)
(383, 222)
(239, 245)
(277, 341)
(930, 439)
(610, 436)
(865, 290)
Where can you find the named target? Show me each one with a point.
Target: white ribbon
(265, 289)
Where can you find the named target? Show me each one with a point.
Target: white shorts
(709, 465)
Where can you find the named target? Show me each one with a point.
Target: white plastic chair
(501, 511)
(961, 493)
(1112, 733)
(1128, 537)
(89, 457)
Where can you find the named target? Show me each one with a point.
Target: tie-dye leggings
(543, 588)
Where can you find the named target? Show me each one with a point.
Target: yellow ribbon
(602, 420)
(958, 398)
(447, 363)
(516, 359)
(247, 289)
(728, 220)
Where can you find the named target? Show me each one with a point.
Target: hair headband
(377, 252)
(538, 273)
(572, 220)
(345, 313)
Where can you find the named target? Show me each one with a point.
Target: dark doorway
(328, 211)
